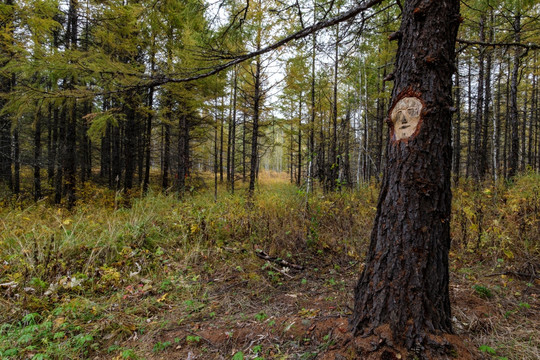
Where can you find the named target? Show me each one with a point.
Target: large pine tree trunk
(405, 281)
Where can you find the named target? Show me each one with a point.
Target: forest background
(116, 171)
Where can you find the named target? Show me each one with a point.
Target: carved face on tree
(405, 117)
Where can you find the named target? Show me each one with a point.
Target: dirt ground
(304, 315)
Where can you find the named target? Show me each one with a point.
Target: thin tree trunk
(497, 129)
(183, 152)
(244, 120)
(470, 155)
(484, 164)
(311, 145)
(216, 149)
(291, 154)
(52, 123)
(347, 150)
(148, 138)
(299, 159)
(6, 84)
(530, 154)
(255, 130)
(222, 123)
(478, 124)
(37, 155)
(116, 164)
(233, 131)
(60, 151)
(457, 126)
(166, 156)
(506, 148)
(333, 163)
(70, 159)
(16, 158)
(130, 135)
(513, 161)
(523, 132)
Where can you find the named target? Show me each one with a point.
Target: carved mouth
(404, 127)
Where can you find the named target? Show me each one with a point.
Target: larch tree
(6, 45)
(404, 285)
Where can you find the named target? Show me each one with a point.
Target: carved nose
(403, 118)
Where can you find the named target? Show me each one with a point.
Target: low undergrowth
(92, 281)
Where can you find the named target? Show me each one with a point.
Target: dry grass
(143, 278)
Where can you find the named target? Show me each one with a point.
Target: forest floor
(159, 277)
(305, 316)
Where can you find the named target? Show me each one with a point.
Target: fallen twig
(261, 254)
(516, 274)
(281, 271)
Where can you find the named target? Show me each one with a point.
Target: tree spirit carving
(405, 117)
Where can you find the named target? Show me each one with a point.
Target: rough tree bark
(404, 285)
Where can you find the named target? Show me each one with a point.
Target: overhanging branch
(295, 36)
(529, 46)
